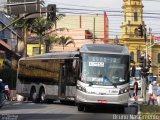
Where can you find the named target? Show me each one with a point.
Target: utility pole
(93, 30)
(25, 41)
(150, 31)
(144, 69)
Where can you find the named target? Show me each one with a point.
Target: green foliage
(23, 23)
(52, 39)
(40, 25)
(150, 109)
(63, 40)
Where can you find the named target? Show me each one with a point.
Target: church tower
(133, 17)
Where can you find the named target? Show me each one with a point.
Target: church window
(132, 55)
(126, 29)
(138, 55)
(135, 16)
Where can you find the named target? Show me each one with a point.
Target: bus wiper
(113, 84)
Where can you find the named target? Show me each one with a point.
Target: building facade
(137, 45)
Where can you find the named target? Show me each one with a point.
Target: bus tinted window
(98, 68)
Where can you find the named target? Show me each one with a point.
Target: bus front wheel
(80, 107)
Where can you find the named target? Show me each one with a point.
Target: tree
(64, 41)
(39, 26)
(24, 24)
(49, 40)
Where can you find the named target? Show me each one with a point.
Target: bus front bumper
(85, 98)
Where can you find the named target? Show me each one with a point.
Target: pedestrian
(150, 92)
(158, 94)
(2, 88)
(151, 78)
(7, 92)
(135, 90)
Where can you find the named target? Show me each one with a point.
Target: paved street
(28, 111)
(57, 111)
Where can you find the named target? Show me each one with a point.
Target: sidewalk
(140, 100)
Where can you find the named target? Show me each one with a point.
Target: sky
(114, 12)
(150, 6)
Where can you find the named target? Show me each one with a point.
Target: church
(138, 45)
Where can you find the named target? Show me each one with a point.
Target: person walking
(158, 94)
(150, 92)
(151, 78)
(135, 90)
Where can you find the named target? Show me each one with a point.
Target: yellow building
(33, 47)
(133, 17)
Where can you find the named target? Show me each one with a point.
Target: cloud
(3, 1)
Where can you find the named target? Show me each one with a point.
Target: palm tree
(24, 24)
(64, 41)
(49, 40)
(39, 26)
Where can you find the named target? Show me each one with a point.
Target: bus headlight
(81, 88)
(124, 90)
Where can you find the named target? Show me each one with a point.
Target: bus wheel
(42, 96)
(34, 96)
(80, 107)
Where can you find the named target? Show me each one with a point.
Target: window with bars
(35, 50)
(132, 56)
(138, 55)
(158, 57)
(135, 16)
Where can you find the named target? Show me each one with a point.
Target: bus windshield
(105, 69)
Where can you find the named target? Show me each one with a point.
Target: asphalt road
(55, 111)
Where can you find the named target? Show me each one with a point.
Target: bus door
(71, 78)
(62, 81)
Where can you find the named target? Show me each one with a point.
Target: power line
(151, 0)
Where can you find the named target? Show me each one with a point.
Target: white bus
(104, 76)
(48, 77)
(96, 74)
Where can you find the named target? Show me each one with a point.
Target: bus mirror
(75, 65)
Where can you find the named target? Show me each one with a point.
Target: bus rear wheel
(42, 96)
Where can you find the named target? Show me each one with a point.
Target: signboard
(17, 7)
(156, 39)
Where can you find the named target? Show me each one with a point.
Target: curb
(139, 112)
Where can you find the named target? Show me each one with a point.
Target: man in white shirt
(150, 92)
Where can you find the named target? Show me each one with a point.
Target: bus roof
(54, 55)
(104, 48)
